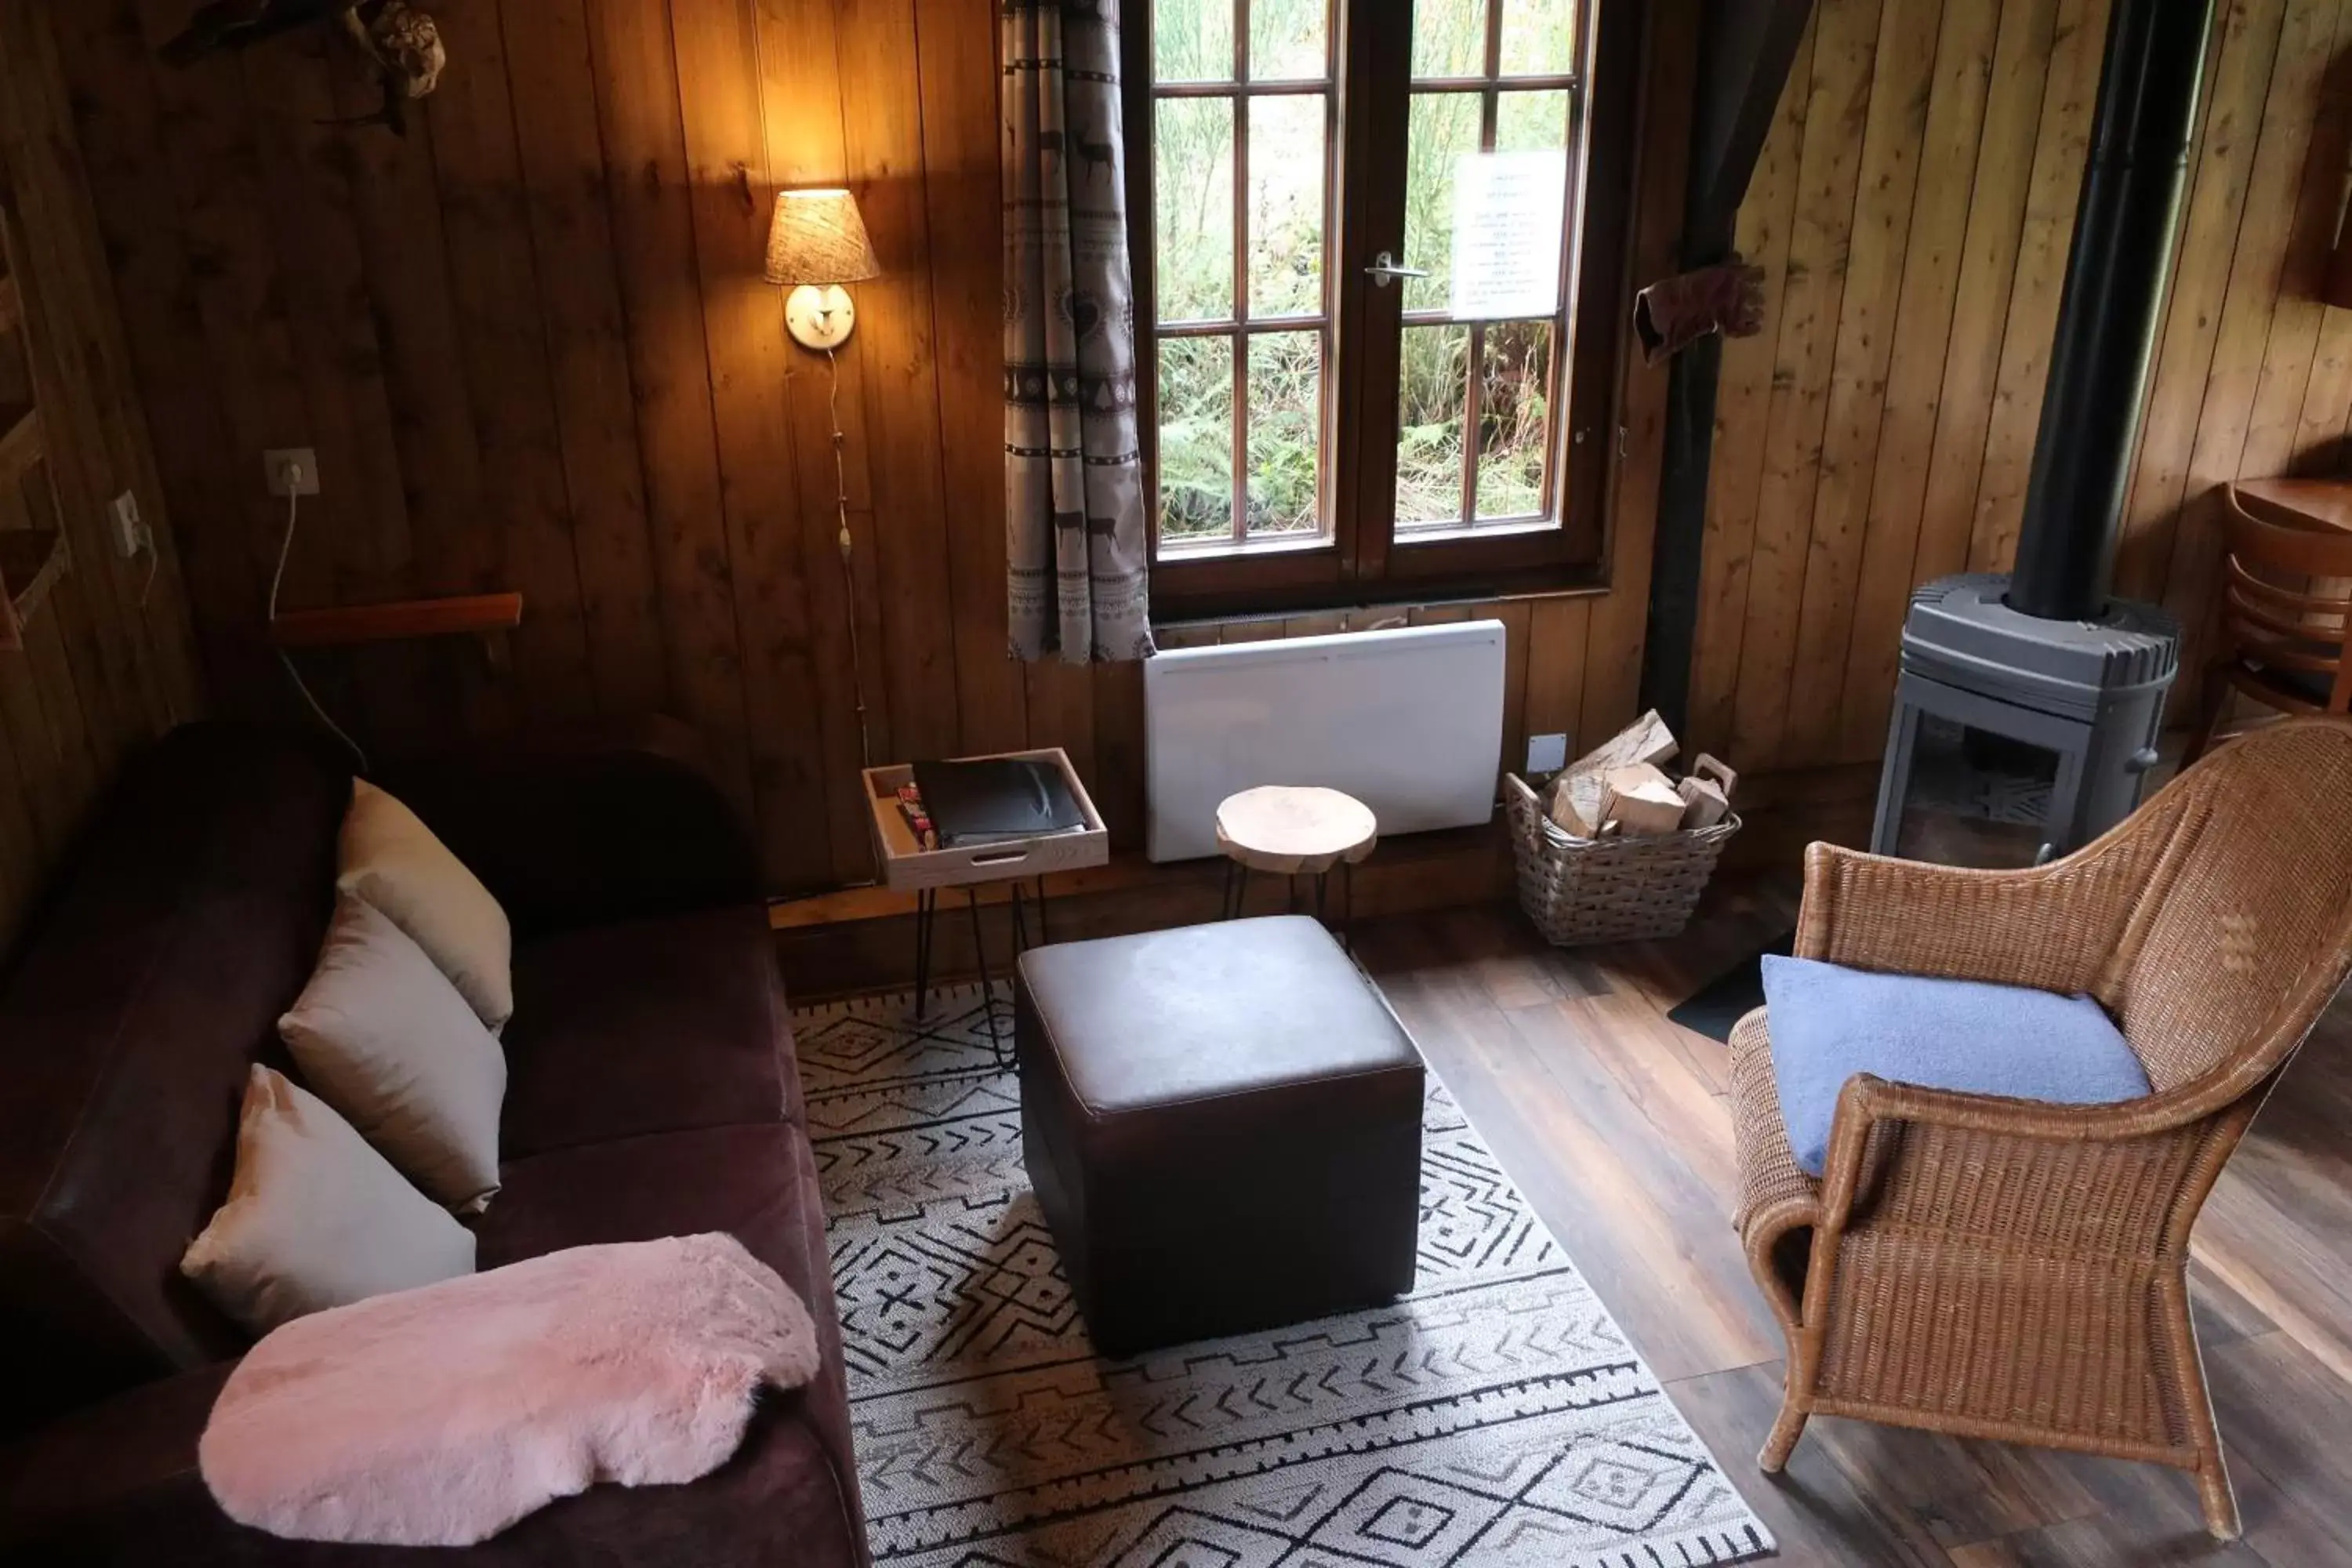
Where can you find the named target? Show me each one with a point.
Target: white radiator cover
(1409, 721)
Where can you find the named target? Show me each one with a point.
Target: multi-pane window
(1475, 436)
(1245, 104)
(1382, 277)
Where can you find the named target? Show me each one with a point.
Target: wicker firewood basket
(1581, 891)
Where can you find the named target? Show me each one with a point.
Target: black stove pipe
(2108, 317)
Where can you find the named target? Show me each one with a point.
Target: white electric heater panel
(1409, 721)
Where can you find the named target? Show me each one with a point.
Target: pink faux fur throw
(438, 1416)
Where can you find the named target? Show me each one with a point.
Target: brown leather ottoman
(1222, 1125)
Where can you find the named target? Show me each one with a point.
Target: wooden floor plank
(1814, 1509)
(1640, 1220)
(2269, 1395)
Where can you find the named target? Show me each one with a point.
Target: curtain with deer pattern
(1077, 545)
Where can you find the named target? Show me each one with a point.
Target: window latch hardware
(1384, 270)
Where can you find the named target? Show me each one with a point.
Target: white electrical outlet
(129, 533)
(1547, 753)
(292, 471)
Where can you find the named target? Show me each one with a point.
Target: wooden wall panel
(534, 350)
(2069, 93)
(1967, 55)
(643, 141)
(493, 323)
(1743, 396)
(1829, 171)
(1919, 460)
(1876, 248)
(2274, 170)
(562, 184)
(882, 136)
(2235, 88)
(108, 660)
(964, 190)
(1619, 619)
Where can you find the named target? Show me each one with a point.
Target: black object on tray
(994, 800)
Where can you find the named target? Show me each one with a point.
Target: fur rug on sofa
(438, 1416)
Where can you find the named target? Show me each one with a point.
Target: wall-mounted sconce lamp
(816, 243)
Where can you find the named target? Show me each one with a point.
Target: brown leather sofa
(652, 1092)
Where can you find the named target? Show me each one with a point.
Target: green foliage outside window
(1194, 265)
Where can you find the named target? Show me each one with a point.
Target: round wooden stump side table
(1292, 831)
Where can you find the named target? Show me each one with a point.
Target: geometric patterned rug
(1496, 1417)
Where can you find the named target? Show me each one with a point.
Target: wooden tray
(907, 868)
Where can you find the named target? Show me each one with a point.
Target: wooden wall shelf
(31, 561)
(351, 625)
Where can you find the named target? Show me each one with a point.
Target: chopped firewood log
(1645, 740)
(1704, 801)
(1575, 801)
(1641, 799)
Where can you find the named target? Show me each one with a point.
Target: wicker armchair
(2004, 1268)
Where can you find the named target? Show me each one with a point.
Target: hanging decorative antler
(403, 42)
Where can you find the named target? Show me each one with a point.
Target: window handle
(1384, 270)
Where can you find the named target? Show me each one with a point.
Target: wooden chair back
(2286, 607)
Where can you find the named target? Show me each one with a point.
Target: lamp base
(820, 319)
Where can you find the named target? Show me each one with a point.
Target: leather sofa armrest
(116, 1477)
(588, 824)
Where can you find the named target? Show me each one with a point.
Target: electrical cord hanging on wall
(276, 580)
(840, 476)
(848, 553)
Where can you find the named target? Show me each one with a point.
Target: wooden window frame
(1358, 561)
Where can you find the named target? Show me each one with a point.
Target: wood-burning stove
(2043, 656)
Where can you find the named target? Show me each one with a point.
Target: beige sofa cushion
(383, 1038)
(315, 1218)
(390, 859)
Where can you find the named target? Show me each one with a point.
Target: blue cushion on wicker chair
(1828, 1023)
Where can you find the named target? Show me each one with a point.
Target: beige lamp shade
(818, 237)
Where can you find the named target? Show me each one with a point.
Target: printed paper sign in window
(1508, 213)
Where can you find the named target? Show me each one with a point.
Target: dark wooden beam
(1746, 48)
